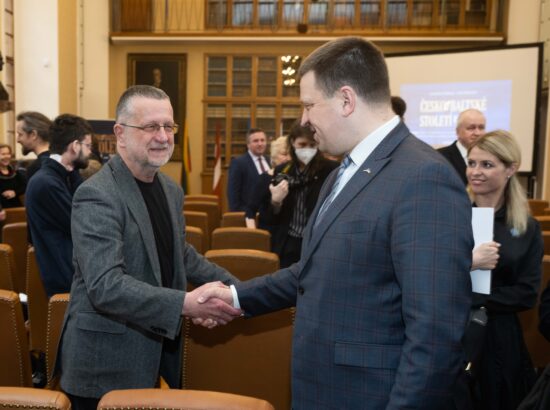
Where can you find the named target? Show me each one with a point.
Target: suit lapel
(366, 172)
(131, 194)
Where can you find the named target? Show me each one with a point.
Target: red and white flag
(216, 180)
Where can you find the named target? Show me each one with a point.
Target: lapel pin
(367, 170)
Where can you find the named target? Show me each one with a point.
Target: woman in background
(294, 191)
(504, 373)
(12, 183)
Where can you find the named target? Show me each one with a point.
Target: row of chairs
(250, 357)
(17, 398)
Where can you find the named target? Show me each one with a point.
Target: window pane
(267, 77)
(450, 10)
(217, 13)
(217, 76)
(242, 77)
(215, 123)
(344, 13)
(240, 123)
(289, 114)
(293, 12)
(267, 12)
(476, 12)
(265, 119)
(397, 13)
(242, 12)
(370, 13)
(422, 13)
(318, 12)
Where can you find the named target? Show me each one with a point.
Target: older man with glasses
(132, 264)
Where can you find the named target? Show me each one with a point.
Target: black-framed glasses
(151, 128)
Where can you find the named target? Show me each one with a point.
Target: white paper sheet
(482, 226)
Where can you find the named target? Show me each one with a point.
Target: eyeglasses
(87, 145)
(151, 128)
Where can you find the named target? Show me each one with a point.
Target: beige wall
(68, 63)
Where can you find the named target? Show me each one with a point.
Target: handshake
(210, 305)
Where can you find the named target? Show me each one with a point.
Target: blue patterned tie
(345, 163)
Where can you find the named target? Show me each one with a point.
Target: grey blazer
(119, 315)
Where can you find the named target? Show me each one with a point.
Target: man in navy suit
(382, 290)
(245, 170)
(470, 125)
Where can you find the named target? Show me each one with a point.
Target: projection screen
(502, 82)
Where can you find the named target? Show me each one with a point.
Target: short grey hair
(123, 108)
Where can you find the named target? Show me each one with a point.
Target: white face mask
(305, 155)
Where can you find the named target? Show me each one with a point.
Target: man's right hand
(211, 310)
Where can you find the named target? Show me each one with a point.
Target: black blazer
(280, 223)
(454, 156)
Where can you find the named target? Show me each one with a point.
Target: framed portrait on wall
(169, 73)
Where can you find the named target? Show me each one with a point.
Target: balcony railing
(308, 17)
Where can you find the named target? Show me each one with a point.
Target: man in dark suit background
(382, 290)
(470, 125)
(245, 170)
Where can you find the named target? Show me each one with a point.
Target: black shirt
(157, 207)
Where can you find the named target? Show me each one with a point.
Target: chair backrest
(244, 263)
(537, 206)
(202, 198)
(15, 368)
(212, 209)
(138, 399)
(199, 220)
(195, 237)
(7, 267)
(17, 214)
(15, 235)
(233, 219)
(57, 307)
(544, 222)
(37, 303)
(250, 357)
(241, 238)
(546, 239)
(537, 345)
(19, 398)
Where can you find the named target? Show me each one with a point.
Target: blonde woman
(504, 373)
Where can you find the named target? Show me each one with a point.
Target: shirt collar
(57, 158)
(361, 152)
(254, 156)
(462, 149)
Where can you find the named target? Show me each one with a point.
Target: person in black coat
(294, 188)
(255, 212)
(470, 125)
(504, 373)
(12, 183)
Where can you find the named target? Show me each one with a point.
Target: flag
(216, 180)
(186, 156)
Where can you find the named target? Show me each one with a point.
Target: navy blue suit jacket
(382, 290)
(48, 202)
(241, 181)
